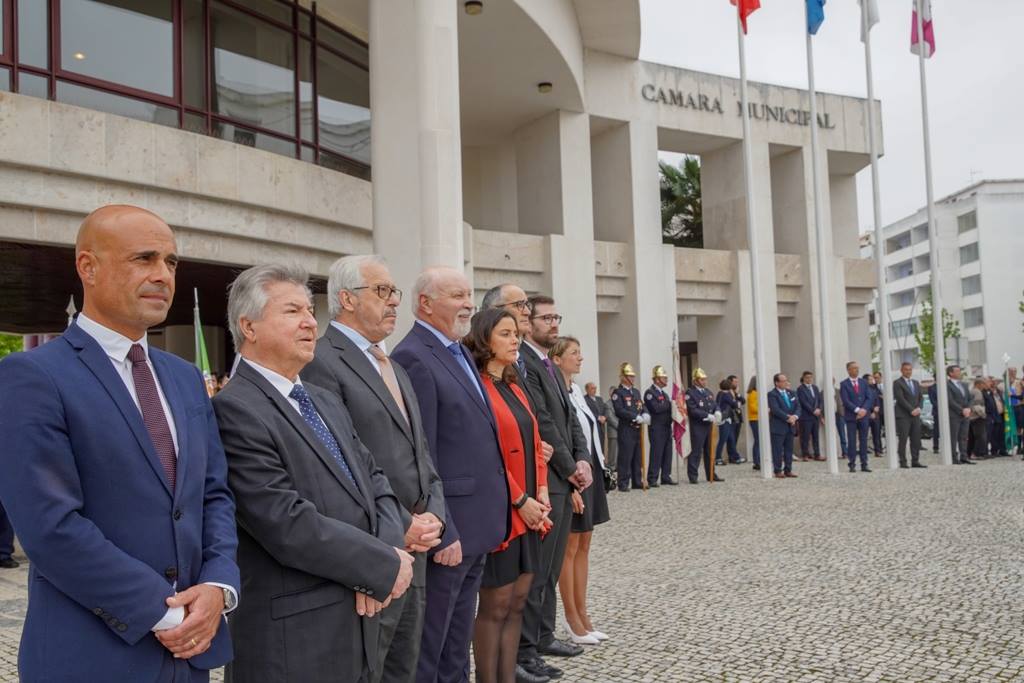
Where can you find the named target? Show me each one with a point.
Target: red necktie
(153, 413)
(856, 387)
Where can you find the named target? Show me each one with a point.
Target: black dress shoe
(757, 468)
(525, 676)
(719, 463)
(919, 465)
(669, 482)
(622, 490)
(966, 462)
(653, 484)
(9, 563)
(852, 468)
(694, 481)
(904, 466)
(717, 478)
(545, 669)
(560, 648)
(738, 462)
(866, 469)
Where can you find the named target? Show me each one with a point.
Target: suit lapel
(360, 364)
(176, 403)
(446, 359)
(90, 353)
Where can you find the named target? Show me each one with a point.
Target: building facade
(515, 139)
(981, 232)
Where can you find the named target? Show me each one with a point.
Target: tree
(925, 338)
(682, 220)
(9, 343)
(876, 352)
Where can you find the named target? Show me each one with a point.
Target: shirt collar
(278, 381)
(114, 344)
(441, 337)
(528, 344)
(361, 342)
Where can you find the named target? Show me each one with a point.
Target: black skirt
(522, 556)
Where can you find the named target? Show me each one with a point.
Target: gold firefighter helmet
(659, 371)
(699, 374)
(626, 370)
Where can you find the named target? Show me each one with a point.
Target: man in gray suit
(909, 402)
(959, 412)
(352, 362)
(320, 531)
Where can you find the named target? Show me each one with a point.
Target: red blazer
(511, 442)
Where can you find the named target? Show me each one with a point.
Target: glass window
(969, 253)
(33, 34)
(33, 85)
(343, 106)
(900, 299)
(343, 43)
(134, 48)
(253, 71)
(193, 67)
(306, 89)
(252, 138)
(970, 285)
(116, 104)
(195, 123)
(5, 79)
(974, 317)
(969, 221)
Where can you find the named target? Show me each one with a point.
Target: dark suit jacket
(810, 399)
(852, 400)
(463, 441)
(779, 412)
(907, 402)
(308, 538)
(557, 421)
(957, 401)
(398, 447)
(106, 537)
(599, 408)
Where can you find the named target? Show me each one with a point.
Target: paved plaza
(913, 575)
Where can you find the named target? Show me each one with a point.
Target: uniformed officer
(629, 408)
(700, 405)
(659, 406)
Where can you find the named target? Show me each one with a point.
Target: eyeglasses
(385, 292)
(550, 318)
(521, 305)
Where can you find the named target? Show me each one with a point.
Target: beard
(461, 328)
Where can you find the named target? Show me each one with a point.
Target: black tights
(496, 631)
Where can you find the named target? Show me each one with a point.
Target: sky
(975, 80)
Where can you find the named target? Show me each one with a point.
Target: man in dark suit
(857, 405)
(959, 414)
(784, 412)
(458, 423)
(812, 407)
(569, 467)
(933, 396)
(599, 407)
(658, 404)
(700, 407)
(909, 403)
(875, 413)
(352, 362)
(629, 410)
(114, 476)
(320, 531)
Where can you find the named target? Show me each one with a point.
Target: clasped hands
(583, 476)
(203, 605)
(535, 512)
(370, 607)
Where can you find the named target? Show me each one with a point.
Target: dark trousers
(782, 452)
(979, 437)
(448, 624)
(757, 443)
(959, 428)
(876, 434)
(628, 466)
(809, 440)
(935, 432)
(700, 440)
(727, 435)
(997, 436)
(6, 536)
(857, 441)
(908, 430)
(841, 431)
(401, 630)
(660, 462)
(538, 628)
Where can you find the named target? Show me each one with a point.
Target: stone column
(415, 137)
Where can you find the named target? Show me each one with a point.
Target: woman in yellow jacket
(752, 419)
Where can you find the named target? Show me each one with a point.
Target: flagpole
(939, 357)
(882, 309)
(764, 435)
(824, 317)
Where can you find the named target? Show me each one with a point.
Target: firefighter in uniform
(629, 408)
(700, 405)
(659, 406)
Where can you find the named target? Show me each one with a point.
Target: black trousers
(809, 435)
(6, 535)
(700, 440)
(628, 466)
(538, 628)
(908, 430)
(401, 627)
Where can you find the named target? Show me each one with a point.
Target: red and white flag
(929, 31)
(746, 8)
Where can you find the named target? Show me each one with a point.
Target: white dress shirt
(361, 342)
(117, 346)
(283, 385)
(583, 412)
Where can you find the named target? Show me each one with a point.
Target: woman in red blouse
(493, 340)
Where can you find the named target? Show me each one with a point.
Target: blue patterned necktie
(312, 418)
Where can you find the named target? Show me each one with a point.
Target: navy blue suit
(699, 405)
(856, 428)
(463, 441)
(107, 538)
(875, 421)
(810, 399)
(782, 405)
(659, 405)
(628, 405)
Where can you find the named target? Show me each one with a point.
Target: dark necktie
(312, 418)
(456, 350)
(856, 387)
(551, 369)
(153, 415)
(521, 364)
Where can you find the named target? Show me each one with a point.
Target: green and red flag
(202, 360)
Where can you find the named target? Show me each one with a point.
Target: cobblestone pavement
(902, 576)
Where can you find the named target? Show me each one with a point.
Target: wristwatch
(229, 599)
(521, 502)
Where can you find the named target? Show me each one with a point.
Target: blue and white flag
(815, 15)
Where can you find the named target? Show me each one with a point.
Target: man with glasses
(352, 362)
(568, 468)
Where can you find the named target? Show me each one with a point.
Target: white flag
(872, 18)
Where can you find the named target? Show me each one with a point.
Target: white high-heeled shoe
(588, 639)
(601, 637)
